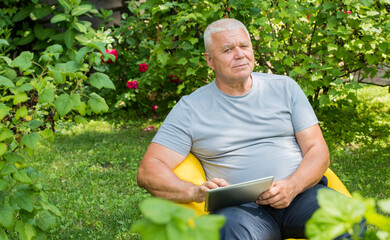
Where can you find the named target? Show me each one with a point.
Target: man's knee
(248, 223)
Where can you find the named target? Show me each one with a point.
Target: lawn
(91, 169)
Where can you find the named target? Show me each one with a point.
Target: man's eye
(227, 50)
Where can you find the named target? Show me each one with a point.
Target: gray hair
(225, 24)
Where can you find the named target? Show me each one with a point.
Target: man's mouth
(240, 66)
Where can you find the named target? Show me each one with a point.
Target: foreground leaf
(7, 216)
(30, 140)
(97, 103)
(25, 230)
(101, 80)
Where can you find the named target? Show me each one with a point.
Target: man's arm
(156, 175)
(313, 166)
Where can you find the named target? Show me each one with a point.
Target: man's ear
(209, 60)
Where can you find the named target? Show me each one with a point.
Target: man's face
(231, 56)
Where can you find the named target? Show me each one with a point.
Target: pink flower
(154, 108)
(113, 52)
(132, 84)
(174, 78)
(347, 12)
(151, 128)
(143, 67)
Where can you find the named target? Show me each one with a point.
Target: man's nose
(238, 53)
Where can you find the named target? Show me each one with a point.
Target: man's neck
(235, 88)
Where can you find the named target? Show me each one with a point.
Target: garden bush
(46, 74)
(321, 44)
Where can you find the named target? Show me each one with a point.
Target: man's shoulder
(270, 77)
(200, 93)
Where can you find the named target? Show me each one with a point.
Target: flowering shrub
(321, 44)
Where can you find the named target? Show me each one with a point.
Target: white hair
(225, 24)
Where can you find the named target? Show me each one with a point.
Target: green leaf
(46, 96)
(337, 215)
(42, 33)
(3, 235)
(7, 216)
(97, 103)
(5, 133)
(22, 176)
(22, 14)
(45, 220)
(34, 124)
(80, 10)
(60, 17)
(65, 103)
(69, 38)
(207, 227)
(20, 97)
(8, 169)
(48, 206)
(66, 5)
(3, 185)
(30, 140)
(3, 148)
(81, 54)
(21, 112)
(79, 27)
(59, 78)
(4, 110)
(6, 82)
(101, 80)
(23, 61)
(81, 120)
(26, 231)
(24, 199)
(14, 158)
(4, 42)
(47, 133)
(41, 12)
(25, 39)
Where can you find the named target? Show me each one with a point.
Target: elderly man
(242, 126)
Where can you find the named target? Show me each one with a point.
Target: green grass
(91, 170)
(358, 136)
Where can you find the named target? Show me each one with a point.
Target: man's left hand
(280, 194)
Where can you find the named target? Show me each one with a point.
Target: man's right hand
(199, 192)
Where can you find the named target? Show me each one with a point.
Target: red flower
(174, 78)
(111, 51)
(308, 16)
(143, 67)
(154, 108)
(347, 12)
(132, 84)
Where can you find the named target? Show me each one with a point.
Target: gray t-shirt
(240, 138)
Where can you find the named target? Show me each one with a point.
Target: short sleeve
(175, 132)
(303, 115)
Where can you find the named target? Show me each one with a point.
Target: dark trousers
(251, 221)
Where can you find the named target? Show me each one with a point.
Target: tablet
(236, 194)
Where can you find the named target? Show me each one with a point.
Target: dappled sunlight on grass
(359, 141)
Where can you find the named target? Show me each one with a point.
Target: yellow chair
(192, 171)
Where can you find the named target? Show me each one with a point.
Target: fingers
(199, 193)
(215, 183)
(278, 196)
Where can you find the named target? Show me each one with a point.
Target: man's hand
(280, 194)
(199, 192)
